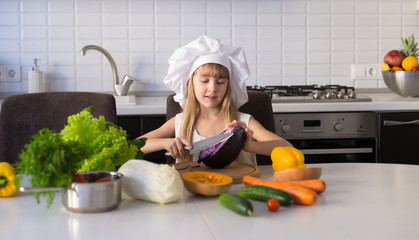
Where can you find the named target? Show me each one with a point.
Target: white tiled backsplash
(286, 42)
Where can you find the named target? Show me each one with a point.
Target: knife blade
(206, 143)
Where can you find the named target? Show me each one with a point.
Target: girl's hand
(176, 146)
(249, 132)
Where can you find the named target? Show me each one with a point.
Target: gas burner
(311, 93)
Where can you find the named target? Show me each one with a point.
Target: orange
(409, 63)
(396, 69)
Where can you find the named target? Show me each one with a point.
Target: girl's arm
(266, 140)
(164, 138)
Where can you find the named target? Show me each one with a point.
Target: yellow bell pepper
(284, 158)
(8, 180)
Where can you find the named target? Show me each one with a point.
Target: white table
(362, 201)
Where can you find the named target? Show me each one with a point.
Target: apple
(394, 58)
(415, 68)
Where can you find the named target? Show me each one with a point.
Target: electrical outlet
(2, 73)
(13, 73)
(361, 71)
(372, 71)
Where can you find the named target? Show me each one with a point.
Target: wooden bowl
(206, 183)
(298, 174)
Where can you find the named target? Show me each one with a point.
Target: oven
(330, 137)
(325, 137)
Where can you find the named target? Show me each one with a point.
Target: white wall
(286, 42)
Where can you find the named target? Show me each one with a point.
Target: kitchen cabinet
(398, 137)
(139, 125)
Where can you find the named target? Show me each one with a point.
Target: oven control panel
(326, 125)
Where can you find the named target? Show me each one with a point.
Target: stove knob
(352, 94)
(340, 95)
(317, 94)
(330, 95)
(338, 127)
(286, 128)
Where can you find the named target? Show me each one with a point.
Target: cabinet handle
(389, 123)
(336, 151)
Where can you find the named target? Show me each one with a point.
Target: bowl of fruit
(400, 69)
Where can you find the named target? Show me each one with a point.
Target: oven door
(337, 150)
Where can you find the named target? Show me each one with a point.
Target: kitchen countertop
(156, 105)
(362, 201)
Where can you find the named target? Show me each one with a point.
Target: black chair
(259, 106)
(23, 115)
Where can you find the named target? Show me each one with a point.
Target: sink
(128, 100)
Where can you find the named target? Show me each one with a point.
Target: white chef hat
(185, 60)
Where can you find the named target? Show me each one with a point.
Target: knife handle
(168, 154)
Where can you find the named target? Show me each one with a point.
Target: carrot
(317, 185)
(298, 193)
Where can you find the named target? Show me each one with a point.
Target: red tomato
(78, 178)
(104, 180)
(273, 205)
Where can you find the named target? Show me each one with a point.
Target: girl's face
(209, 89)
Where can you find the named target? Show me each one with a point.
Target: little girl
(209, 81)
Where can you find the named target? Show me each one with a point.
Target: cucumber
(236, 203)
(264, 193)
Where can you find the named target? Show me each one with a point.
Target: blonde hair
(191, 108)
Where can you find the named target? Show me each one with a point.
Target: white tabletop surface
(362, 201)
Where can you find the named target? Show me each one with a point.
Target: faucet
(120, 89)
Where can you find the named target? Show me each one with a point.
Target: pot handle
(389, 123)
(40, 189)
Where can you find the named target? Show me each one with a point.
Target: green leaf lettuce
(85, 144)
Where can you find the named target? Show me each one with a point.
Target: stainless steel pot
(94, 196)
(91, 196)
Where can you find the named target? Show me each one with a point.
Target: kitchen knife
(198, 146)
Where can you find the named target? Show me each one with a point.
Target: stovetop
(311, 93)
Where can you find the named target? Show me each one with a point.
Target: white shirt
(244, 157)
